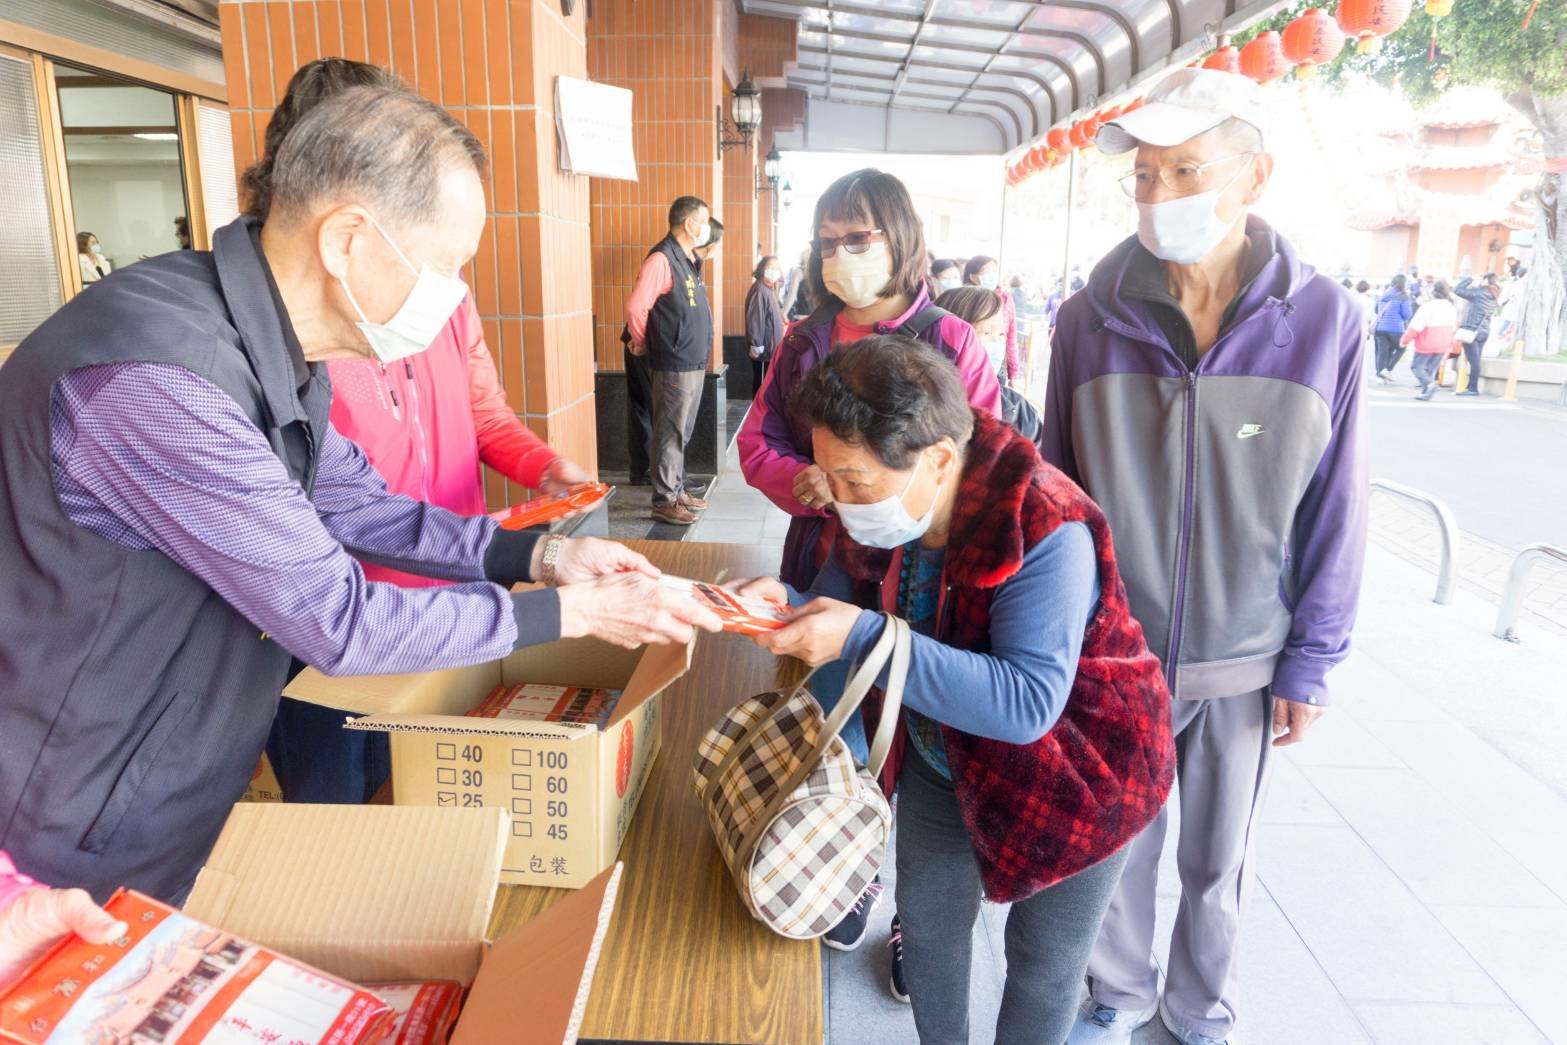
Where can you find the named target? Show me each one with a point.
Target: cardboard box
(376, 893)
(264, 786)
(569, 789)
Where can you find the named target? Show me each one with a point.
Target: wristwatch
(547, 566)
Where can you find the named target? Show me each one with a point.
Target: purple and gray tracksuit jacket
(1236, 490)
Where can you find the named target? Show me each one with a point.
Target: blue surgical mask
(885, 523)
(947, 283)
(988, 281)
(417, 323)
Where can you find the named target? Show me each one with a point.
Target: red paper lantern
(1090, 130)
(1132, 106)
(1226, 59)
(1370, 20)
(1058, 140)
(1036, 158)
(1311, 40)
(1263, 59)
(1075, 135)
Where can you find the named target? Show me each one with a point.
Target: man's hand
(636, 349)
(39, 918)
(1291, 720)
(815, 633)
(811, 489)
(587, 558)
(562, 475)
(631, 610)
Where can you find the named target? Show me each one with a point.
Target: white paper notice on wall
(593, 123)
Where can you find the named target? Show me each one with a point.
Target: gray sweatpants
(1225, 754)
(677, 395)
(1048, 935)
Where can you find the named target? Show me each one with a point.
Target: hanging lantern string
(1527, 18)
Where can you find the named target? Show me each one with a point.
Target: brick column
(492, 64)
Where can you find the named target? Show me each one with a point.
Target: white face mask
(703, 234)
(947, 283)
(858, 280)
(996, 349)
(424, 311)
(886, 523)
(988, 281)
(772, 275)
(1184, 230)
(97, 250)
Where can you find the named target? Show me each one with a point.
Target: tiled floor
(1413, 857)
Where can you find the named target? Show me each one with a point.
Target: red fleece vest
(1037, 813)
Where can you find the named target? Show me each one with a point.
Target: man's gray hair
(382, 147)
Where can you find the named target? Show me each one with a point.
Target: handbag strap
(894, 646)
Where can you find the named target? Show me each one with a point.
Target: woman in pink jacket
(1431, 331)
(426, 422)
(867, 269)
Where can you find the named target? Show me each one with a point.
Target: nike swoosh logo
(1247, 431)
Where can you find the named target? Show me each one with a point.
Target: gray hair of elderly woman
(891, 394)
(381, 147)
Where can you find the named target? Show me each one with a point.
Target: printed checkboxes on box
(522, 781)
(523, 829)
(446, 751)
(522, 806)
(445, 774)
(521, 757)
(445, 798)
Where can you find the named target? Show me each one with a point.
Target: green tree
(1485, 42)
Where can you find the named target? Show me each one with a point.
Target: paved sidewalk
(1413, 860)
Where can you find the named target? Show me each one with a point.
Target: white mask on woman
(858, 280)
(886, 523)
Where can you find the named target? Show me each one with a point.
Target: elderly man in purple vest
(1205, 391)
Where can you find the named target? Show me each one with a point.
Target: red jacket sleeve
(1010, 308)
(505, 443)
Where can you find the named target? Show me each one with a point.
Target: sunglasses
(853, 242)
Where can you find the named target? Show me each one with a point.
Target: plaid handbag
(801, 826)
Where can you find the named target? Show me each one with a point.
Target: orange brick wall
(667, 53)
(492, 64)
(783, 109)
(737, 253)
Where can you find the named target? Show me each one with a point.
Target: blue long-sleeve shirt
(1394, 311)
(1015, 692)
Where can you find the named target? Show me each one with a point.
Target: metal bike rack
(1512, 594)
(1446, 525)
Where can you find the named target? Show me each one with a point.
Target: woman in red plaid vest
(1036, 736)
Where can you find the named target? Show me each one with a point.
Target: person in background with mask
(90, 259)
(945, 274)
(982, 310)
(764, 322)
(714, 237)
(1205, 390)
(867, 269)
(670, 325)
(981, 271)
(426, 423)
(1431, 331)
(999, 565)
(796, 302)
(179, 521)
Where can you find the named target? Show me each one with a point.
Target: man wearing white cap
(1204, 389)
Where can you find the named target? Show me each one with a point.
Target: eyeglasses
(853, 242)
(1183, 179)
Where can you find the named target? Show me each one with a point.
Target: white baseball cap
(1186, 103)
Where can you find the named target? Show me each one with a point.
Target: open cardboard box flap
(639, 674)
(374, 893)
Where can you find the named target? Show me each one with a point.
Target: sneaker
(687, 499)
(1190, 1037)
(849, 933)
(896, 983)
(1384, 376)
(1428, 392)
(678, 514)
(1101, 1025)
(1475, 394)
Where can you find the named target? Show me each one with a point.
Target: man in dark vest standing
(671, 325)
(178, 521)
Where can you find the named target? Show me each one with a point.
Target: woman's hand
(585, 558)
(815, 633)
(631, 610)
(811, 489)
(562, 475)
(40, 918)
(770, 589)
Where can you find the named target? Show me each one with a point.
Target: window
(29, 265)
(123, 170)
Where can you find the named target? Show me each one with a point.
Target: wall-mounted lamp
(745, 108)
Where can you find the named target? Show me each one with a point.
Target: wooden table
(684, 961)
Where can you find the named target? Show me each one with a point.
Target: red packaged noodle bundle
(747, 616)
(546, 509)
(540, 703)
(172, 979)
(423, 1010)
